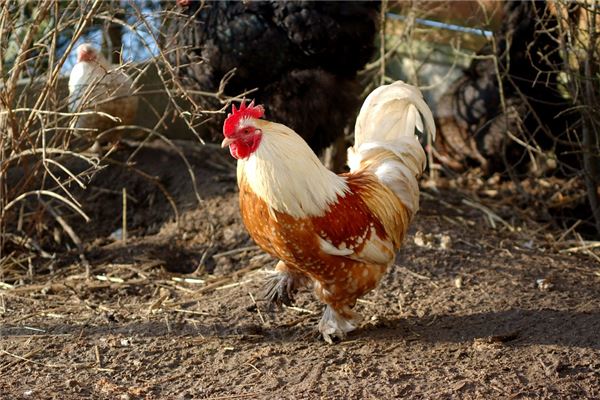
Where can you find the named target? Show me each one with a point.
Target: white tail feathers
(385, 141)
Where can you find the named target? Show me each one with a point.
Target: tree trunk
(114, 40)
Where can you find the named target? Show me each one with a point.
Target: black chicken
(302, 56)
(473, 125)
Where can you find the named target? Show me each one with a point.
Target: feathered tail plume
(385, 141)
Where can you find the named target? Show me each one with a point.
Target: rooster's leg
(335, 324)
(281, 286)
(338, 318)
(340, 295)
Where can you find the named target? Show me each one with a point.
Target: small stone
(445, 242)
(458, 282)
(544, 284)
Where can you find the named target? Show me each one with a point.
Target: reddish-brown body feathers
(349, 223)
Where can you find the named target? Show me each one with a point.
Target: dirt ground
(469, 312)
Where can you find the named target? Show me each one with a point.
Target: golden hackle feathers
(287, 175)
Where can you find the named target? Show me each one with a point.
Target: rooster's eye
(246, 130)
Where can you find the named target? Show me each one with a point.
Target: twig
(492, 216)
(586, 246)
(228, 278)
(31, 361)
(231, 285)
(565, 233)
(124, 217)
(257, 308)
(236, 396)
(298, 309)
(382, 41)
(180, 310)
(66, 227)
(98, 358)
(20, 358)
(50, 194)
(417, 275)
(235, 251)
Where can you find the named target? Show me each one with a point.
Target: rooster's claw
(279, 288)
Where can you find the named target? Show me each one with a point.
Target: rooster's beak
(226, 142)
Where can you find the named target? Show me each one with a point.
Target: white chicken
(97, 86)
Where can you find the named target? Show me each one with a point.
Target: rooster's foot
(335, 326)
(279, 288)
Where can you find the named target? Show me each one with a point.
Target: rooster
(94, 85)
(338, 232)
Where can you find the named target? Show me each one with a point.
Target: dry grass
(39, 165)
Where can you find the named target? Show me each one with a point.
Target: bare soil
(469, 312)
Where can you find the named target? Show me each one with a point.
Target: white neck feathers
(288, 176)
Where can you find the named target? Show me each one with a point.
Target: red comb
(236, 115)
